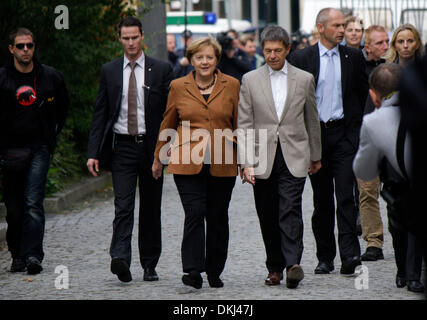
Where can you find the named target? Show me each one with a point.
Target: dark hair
(384, 79)
(275, 33)
(129, 21)
(19, 32)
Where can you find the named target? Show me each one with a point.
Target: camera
(225, 41)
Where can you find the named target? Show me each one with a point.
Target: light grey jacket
(378, 137)
(298, 128)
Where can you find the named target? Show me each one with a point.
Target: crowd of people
(328, 106)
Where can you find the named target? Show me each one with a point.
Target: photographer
(382, 152)
(234, 61)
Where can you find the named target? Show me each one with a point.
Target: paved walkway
(80, 239)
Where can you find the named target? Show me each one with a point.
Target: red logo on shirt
(25, 95)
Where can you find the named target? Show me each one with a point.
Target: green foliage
(78, 52)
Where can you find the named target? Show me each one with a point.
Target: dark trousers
(131, 165)
(278, 204)
(408, 253)
(24, 193)
(335, 177)
(205, 197)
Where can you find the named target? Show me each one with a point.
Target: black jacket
(52, 99)
(237, 66)
(158, 75)
(353, 79)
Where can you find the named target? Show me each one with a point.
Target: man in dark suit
(129, 109)
(341, 91)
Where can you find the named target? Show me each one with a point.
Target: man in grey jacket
(378, 138)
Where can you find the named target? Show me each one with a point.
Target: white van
(201, 29)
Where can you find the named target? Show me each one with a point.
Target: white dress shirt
(279, 87)
(121, 126)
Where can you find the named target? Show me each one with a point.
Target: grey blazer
(298, 128)
(378, 139)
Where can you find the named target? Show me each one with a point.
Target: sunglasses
(21, 46)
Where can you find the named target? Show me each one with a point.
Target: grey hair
(384, 79)
(275, 33)
(323, 15)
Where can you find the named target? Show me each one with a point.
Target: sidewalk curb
(60, 201)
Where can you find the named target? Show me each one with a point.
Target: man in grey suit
(278, 102)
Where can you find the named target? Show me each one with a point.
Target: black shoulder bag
(396, 190)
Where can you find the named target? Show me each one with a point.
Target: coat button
(275, 141)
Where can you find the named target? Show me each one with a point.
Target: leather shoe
(193, 279)
(293, 276)
(215, 282)
(400, 282)
(120, 268)
(34, 265)
(18, 265)
(324, 267)
(372, 254)
(150, 274)
(415, 286)
(273, 278)
(348, 266)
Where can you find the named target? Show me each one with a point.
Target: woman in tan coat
(202, 110)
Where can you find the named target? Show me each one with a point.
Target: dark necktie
(132, 102)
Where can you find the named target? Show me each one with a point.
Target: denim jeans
(24, 196)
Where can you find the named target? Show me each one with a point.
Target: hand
(249, 175)
(184, 62)
(157, 169)
(314, 167)
(93, 166)
(230, 53)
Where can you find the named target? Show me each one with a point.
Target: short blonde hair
(200, 43)
(350, 19)
(372, 28)
(392, 53)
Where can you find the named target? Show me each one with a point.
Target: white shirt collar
(323, 49)
(284, 69)
(139, 61)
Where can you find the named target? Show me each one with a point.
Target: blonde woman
(203, 101)
(405, 46)
(353, 32)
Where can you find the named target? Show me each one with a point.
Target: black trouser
(408, 252)
(24, 193)
(278, 204)
(205, 197)
(335, 177)
(131, 164)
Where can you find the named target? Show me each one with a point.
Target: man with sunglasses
(34, 103)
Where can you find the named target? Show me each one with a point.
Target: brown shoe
(273, 278)
(293, 276)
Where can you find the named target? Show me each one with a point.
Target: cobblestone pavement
(79, 240)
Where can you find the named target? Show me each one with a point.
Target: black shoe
(121, 269)
(324, 267)
(215, 282)
(415, 286)
(400, 281)
(372, 254)
(18, 265)
(193, 279)
(348, 266)
(34, 266)
(150, 274)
